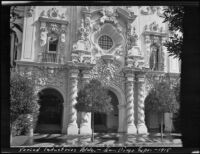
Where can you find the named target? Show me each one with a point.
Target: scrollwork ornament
(107, 73)
(54, 27)
(43, 34)
(46, 76)
(147, 39)
(52, 13)
(30, 11)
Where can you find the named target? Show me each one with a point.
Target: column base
(131, 129)
(72, 129)
(85, 130)
(142, 129)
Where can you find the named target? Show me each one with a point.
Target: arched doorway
(108, 122)
(50, 116)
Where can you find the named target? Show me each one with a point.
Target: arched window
(154, 58)
(52, 43)
(51, 54)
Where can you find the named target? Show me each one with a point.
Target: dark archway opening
(107, 122)
(50, 116)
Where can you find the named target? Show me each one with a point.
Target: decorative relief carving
(43, 34)
(134, 57)
(81, 49)
(45, 76)
(132, 37)
(53, 13)
(30, 11)
(49, 76)
(149, 10)
(153, 27)
(108, 72)
(154, 35)
(117, 39)
(53, 22)
(109, 15)
(152, 41)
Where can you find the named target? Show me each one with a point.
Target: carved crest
(108, 72)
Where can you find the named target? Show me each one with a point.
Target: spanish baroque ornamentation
(81, 49)
(134, 57)
(49, 77)
(116, 37)
(109, 15)
(30, 11)
(149, 10)
(154, 35)
(52, 21)
(108, 73)
(44, 77)
(153, 27)
(53, 13)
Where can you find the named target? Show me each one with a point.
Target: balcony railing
(50, 57)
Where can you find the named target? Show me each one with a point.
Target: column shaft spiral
(73, 95)
(142, 129)
(130, 99)
(131, 129)
(141, 103)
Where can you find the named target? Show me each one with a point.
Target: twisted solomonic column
(131, 129)
(72, 127)
(142, 129)
(85, 127)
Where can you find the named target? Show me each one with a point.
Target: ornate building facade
(64, 47)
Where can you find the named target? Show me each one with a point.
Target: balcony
(50, 58)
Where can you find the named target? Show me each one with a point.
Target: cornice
(43, 19)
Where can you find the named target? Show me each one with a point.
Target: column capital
(130, 77)
(74, 73)
(140, 76)
(86, 74)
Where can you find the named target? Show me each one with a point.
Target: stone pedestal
(142, 129)
(131, 129)
(72, 126)
(72, 129)
(85, 127)
(64, 119)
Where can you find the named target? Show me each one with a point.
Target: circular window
(105, 42)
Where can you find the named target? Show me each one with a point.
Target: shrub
(23, 102)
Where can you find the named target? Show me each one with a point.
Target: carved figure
(75, 58)
(63, 37)
(52, 13)
(86, 59)
(153, 58)
(153, 26)
(43, 38)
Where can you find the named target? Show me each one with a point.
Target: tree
(174, 16)
(93, 98)
(161, 99)
(23, 103)
(176, 117)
